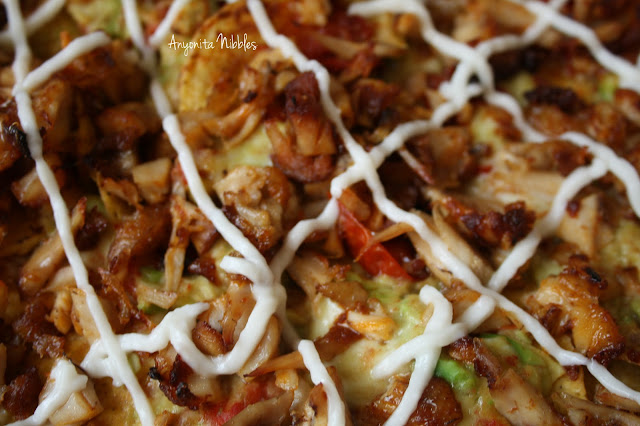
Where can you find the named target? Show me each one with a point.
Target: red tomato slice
(374, 258)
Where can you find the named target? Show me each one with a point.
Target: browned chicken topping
(349, 274)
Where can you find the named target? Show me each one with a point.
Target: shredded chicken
(260, 201)
(303, 150)
(47, 258)
(569, 301)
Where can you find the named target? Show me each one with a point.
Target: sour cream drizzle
(457, 90)
(364, 168)
(78, 46)
(628, 73)
(425, 349)
(106, 357)
(39, 17)
(253, 265)
(471, 60)
(320, 375)
(306, 348)
(526, 247)
(66, 381)
(163, 29)
(116, 356)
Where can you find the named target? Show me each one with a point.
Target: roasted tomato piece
(372, 256)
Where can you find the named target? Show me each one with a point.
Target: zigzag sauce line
(471, 61)
(116, 357)
(36, 20)
(597, 169)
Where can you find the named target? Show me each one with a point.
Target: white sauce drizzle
(253, 265)
(132, 21)
(618, 166)
(485, 49)
(509, 104)
(300, 231)
(628, 73)
(320, 375)
(526, 247)
(363, 167)
(78, 46)
(66, 382)
(61, 213)
(37, 19)
(296, 236)
(105, 356)
(456, 91)
(164, 27)
(174, 328)
(425, 349)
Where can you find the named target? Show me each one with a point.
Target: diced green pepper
(151, 275)
(150, 308)
(196, 289)
(456, 374)
(526, 354)
(607, 87)
(386, 289)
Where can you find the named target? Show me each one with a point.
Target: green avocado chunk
(456, 374)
